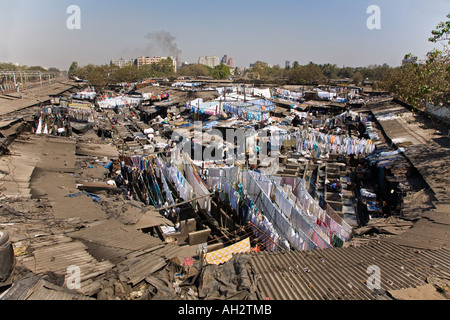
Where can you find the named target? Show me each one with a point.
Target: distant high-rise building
(215, 61)
(287, 64)
(140, 61)
(122, 62)
(231, 63)
(224, 60)
(209, 61)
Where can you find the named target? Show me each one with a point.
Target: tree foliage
(221, 71)
(307, 74)
(314, 73)
(441, 32)
(418, 82)
(73, 69)
(100, 76)
(195, 70)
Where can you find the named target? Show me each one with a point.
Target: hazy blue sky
(34, 32)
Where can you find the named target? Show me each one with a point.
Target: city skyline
(35, 32)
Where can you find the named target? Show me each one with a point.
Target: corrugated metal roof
(169, 251)
(102, 253)
(44, 290)
(137, 269)
(114, 234)
(58, 257)
(33, 287)
(341, 273)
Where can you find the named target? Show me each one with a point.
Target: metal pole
(21, 80)
(184, 202)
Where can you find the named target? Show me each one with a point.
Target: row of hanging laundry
(226, 181)
(155, 97)
(213, 108)
(331, 224)
(198, 186)
(300, 207)
(301, 222)
(141, 173)
(176, 177)
(256, 110)
(53, 124)
(298, 235)
(329, 221)
(313, 140)
(353, 116)
(262, 227)
(118, 101)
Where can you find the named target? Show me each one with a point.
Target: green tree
(330, 71)
(37, 68)
(146, 71)
(164, 68)
(55, 71)
(358, 78)
(195, 70)
(346, 72)
(98, 76)
(259, 71)
(417, 82)
(221, 71)
(441, 32)
(8, 67)
(308, 74)
(129, 73)
(73, 69)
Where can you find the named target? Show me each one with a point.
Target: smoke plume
(161, 43)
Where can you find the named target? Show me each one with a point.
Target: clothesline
(292, 220)
(319, 143)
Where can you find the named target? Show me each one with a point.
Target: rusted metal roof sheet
(44, 290)
(33, 287)
(137, 269)
(102, 252)
(111, 233)
(342, 273)
(58, 257)
(168, 251)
